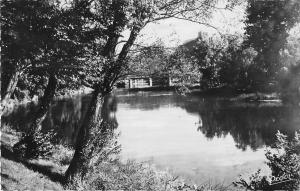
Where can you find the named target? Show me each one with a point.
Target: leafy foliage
(267, 26)
(203, 52)
(150, 60)
(25, 29)
(45, 38)
(220, 61)
(183, 72)
(131, 175)
(34, 145)
(284, 161)
(161, 62)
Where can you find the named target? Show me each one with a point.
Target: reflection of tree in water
(249, 124)
(252, 126)
(64, 117)
(109, 111)
(150, 101)
(20, 117)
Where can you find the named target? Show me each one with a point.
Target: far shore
(226, 93)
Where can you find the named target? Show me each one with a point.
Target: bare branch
(201, 23)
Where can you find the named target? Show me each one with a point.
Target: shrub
(34, 145)
(284, 161)
(63, 155)
(115, 175)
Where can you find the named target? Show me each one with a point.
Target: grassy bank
(25, 175)
(47, 174)
(16, 176)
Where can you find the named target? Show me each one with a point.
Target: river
(199, 138)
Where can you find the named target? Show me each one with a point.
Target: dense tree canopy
(51, 45)
(25, 30)
(267, 27)
(40, 39)
(122, 15)
(149, 60)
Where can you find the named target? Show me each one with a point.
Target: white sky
(174, 32)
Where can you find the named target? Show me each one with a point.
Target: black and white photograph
(150, 95)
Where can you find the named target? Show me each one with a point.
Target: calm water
(199, 138)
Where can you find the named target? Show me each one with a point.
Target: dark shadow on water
(250, 124)
(64, 117)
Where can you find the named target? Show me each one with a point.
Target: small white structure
(138, 82)
(135, 81)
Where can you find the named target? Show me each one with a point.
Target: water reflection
(200, 137)
(231, 137)
(252, 126)
(64, 117)
(249, 124)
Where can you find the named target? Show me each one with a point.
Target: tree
(60, 41)
(230, 64)
(149, 60)
(121, 15)
(183, 71)
(290, 55)
(289, 77)
(64, 54)
(284, 162)
(235, 63)
(267, 26)
(209, 55)
(23, 34)
(159, 61)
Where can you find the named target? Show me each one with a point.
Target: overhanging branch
(201, 23)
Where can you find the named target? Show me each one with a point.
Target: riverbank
(258, 97)
(11, 104)
(227, 93)
(48, 174)
(232, 94)
(24, 175)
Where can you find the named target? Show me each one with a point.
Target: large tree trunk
(44, 103)
(9, 87)
(95, 126)
(34, 144)
(93, 136)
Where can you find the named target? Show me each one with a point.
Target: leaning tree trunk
(34, 144)
(92, 137)
(44, 103)
(95, 128)
(9, 88)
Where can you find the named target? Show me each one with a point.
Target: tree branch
(201, 23)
